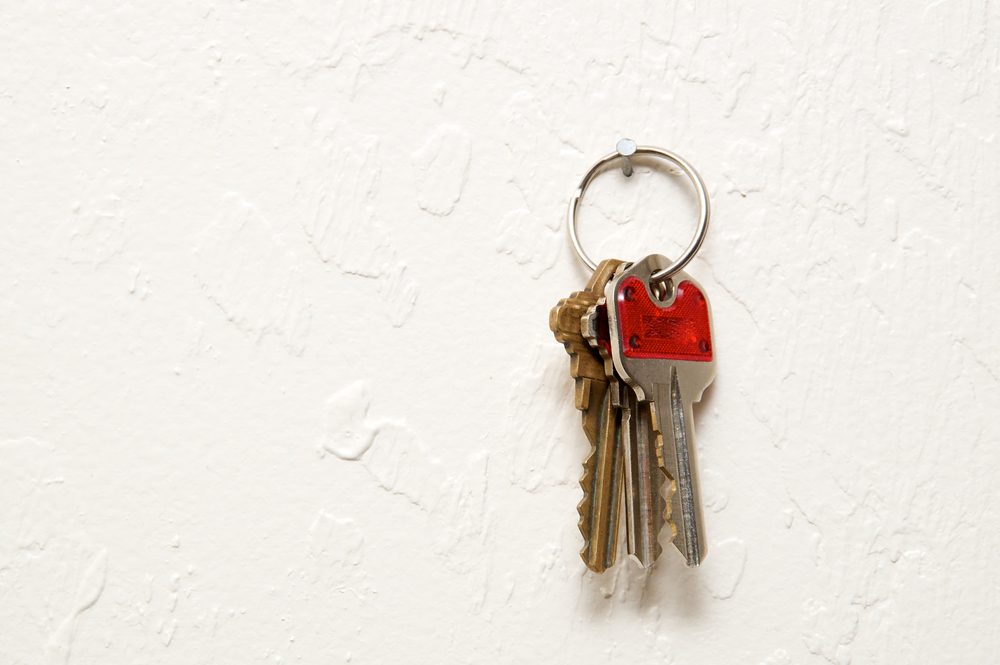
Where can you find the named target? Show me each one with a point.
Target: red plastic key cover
(678, 332)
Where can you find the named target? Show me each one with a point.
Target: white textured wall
(277, 382)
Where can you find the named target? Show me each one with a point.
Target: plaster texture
(276, 382)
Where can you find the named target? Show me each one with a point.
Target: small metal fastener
(626, 148)
(606, 162)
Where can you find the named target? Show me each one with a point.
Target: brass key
(597, 399)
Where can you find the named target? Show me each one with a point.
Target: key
(602, 470)
(645, 504)
(644, 485)
(661, 344)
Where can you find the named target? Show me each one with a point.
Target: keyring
(626, 149)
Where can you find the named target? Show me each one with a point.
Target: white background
(277, 382)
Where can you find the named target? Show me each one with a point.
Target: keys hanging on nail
(661, 343)
(651, 327)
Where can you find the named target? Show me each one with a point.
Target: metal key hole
(662, 291)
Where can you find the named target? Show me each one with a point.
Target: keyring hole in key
(655, 211)
(662, 291)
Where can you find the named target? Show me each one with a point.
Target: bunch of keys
(639, 338)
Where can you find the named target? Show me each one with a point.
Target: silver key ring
(626, 149)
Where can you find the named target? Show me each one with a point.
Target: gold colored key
(599, 401)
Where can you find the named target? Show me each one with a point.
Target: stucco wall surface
(276, 380)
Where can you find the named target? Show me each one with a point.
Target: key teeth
(658, 547)
(667, 488)
(583, 508)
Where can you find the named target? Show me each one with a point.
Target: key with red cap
(661, 344)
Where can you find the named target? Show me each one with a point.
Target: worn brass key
(597, 399)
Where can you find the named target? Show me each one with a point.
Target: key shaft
(680, 463)
(644, 480)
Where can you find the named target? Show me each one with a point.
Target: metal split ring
(626, 149)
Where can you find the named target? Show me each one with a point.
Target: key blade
(632, 472)
(680, 461)
(593, 426)
(599, 509)
(644, 482)
(601, 483)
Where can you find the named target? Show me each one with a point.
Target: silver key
(644, 481)
(661, 344)
(644, 477)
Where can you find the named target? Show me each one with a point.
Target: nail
(626, 148)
